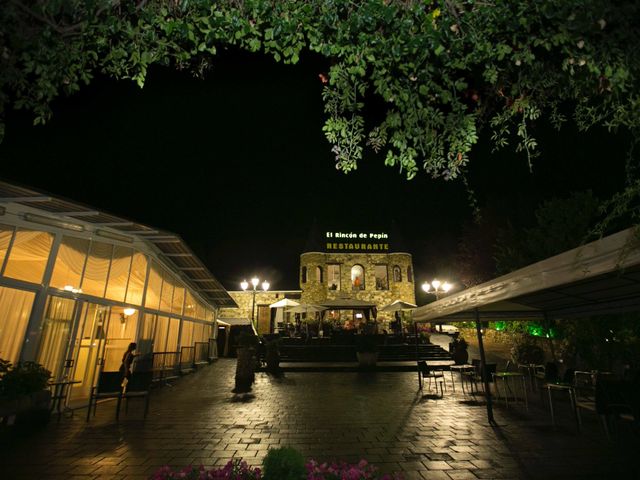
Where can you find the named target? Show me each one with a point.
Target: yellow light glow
(129, 311)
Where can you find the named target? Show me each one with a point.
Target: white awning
(596, 278)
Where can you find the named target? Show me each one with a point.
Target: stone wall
(244, 299)
(314, 291)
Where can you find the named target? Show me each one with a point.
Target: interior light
(129, 311)
(358, 315)
(54, 222)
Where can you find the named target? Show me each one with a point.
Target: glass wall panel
(190, 305)
(172, 337)
(94, 281)
(67, 271)
(28, 256)
(55, 333)
(160, 336)
(186, 337)
(6, 232)
(167, 292)
(15, 309)
(119, 273)
(137, 279)
(199, 310)
(178, 300)
(121, 332)
(88, 348)
(154, 287)
(146, 335)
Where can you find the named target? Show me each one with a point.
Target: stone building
(245, 311)
(357, 266)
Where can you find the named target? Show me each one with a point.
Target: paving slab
(381, 416)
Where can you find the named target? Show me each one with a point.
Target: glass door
(57, 329)
(88, 348)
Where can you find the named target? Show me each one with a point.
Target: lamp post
(437, 288)
(254, 282)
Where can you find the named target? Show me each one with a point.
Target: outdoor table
(59, 394)
(531, 369)
(562, 387)
(506, 383)
(460, 369)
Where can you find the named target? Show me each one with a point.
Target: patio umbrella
(397, 306)
(280, 307)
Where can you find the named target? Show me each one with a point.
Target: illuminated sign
(373, 242)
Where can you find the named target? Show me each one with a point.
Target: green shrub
(283, 463)
(22, 379)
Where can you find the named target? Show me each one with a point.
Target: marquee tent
(596, 278)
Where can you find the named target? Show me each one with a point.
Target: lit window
(397, 274)
(357, 277)
(333, 277)
(382, 281)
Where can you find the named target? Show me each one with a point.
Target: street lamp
(436, 287)
(254, 282)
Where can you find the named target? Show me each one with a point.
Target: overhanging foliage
(445, 70)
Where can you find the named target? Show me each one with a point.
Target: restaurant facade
(359, 269)
(78, 285)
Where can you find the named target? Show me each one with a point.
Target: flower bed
(280, 464)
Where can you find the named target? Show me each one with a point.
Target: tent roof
(285, 302)
(346, 304)
(596, 278)
(170, 247)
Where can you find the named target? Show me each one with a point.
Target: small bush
(283, 464)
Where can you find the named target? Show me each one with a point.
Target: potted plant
(24, 397)
(367, 350)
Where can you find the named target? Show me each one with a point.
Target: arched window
(409, 274)
(304, 274)
(319, 275)
(357, 277)
(397, 274)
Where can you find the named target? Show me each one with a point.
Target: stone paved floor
(379, 416)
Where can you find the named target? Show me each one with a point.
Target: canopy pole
(415, 325)
(483, 369)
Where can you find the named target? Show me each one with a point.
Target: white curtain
(154, 287)
(172, 338)
(137, 278)
(15, 309)
(95, 274)
(72, 255)
(55, 332)
(6, 232)
(119, 273)
(28, 256)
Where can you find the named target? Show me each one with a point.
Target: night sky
(237, 164)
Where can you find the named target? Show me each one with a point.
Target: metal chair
(109, 386)
(138, 386)
(436, 376)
